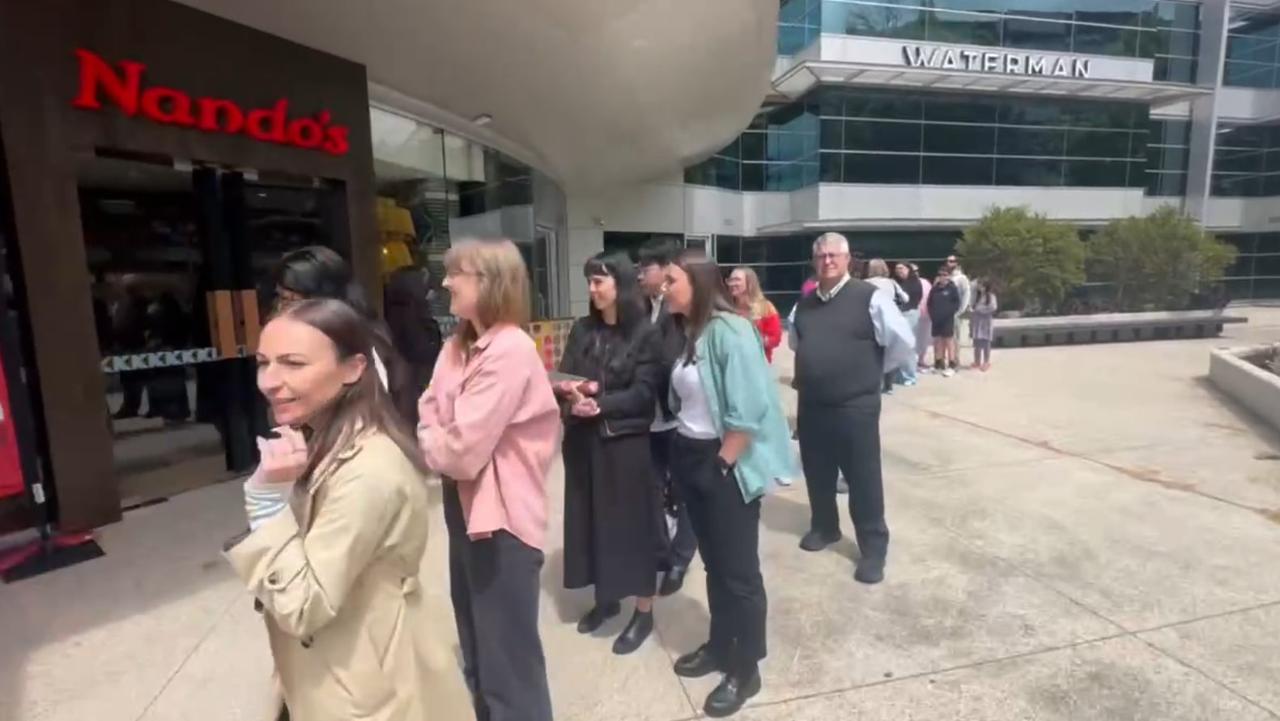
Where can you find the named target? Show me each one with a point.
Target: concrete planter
(1233, 372)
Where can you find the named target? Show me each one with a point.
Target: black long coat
(614, 531)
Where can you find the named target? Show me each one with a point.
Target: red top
(771, 331)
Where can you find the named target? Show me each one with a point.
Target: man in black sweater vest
(846, 336)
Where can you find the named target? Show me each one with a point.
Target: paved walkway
(1080, 534)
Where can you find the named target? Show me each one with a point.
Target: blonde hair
(504, 284)
(759, 305)
(877, 268)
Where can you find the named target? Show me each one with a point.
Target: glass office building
(899, 122)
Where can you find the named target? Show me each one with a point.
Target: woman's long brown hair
(709, 297)
(359, 407)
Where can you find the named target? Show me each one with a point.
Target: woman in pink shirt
(490, 424)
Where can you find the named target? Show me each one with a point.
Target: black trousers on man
(728, 531)
(494, 586)
(845, 439)
(685, 543)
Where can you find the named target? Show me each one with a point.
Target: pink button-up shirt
(491, 423)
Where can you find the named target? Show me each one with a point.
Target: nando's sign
(122, 85)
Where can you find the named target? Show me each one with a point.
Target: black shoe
(596, 617)
(633, 636)
(816, 541)
(732, 693)
(698, 663)
(673, 581)
(870, 571)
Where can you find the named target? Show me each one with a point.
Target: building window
(1253, 49)
(1246, 160)
(1256, 272)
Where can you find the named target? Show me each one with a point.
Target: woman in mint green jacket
(731, 442)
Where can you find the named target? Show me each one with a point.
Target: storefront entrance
(180, 262)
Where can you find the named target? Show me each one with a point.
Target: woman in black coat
(614, 530)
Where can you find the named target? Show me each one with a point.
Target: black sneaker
(870, 571)
(673, 581)
(698, 663)
(634, 635)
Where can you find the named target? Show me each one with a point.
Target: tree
(1033, 261)
(1157, 262)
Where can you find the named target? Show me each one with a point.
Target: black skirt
(615, 535)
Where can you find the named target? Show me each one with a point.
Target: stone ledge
(1110, 328)
(1231, 372)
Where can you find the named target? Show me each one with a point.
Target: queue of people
(670, 424)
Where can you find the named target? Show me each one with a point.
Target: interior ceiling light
(482, 119)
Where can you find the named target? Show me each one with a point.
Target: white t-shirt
(695, 413)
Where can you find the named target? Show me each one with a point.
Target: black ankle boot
(733, 692)
(634, 635)
(596, 617)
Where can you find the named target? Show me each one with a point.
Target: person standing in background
(878, 275)
(923, 328)
(731, 443)
(655, 256)
(909, 283)
(415, 333)
(944, 304)
(965, 288)
(982, 326)
(845, 335)
(614, 530)
(745, 293)
(489, 425)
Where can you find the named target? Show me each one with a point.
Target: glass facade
(1168, 149)
(1253, 49)
(1256, 272)
(778, 151)
(837, 135)
(1246, 160)
(1166, 31)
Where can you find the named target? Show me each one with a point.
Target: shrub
(1157, 262)
(1033, 261)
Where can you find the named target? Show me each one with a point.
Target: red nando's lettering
(122, 85)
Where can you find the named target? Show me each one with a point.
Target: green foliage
(1033, 261)
(1157, 262)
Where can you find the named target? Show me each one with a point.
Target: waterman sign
(122, 85)
(1005, 63)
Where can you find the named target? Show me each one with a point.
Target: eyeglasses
(824, 257)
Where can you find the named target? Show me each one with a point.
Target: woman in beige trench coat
(338, 526)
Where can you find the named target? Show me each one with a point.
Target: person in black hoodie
(415, 334)
(654, 259)
(614, 531)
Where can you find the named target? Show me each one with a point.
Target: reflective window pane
(832, 165)
(1098, 143)
(967, 139)
(1165, 184)
(873, 135)
(963, 28)
(875, 168)
(1178, 15)
(950, 170)
(1096, 173)
(873, 20)
(1100, 40)
(961, 108)
(1037, 35)
(1028, 171)
(1174, 70)
(1031, 141)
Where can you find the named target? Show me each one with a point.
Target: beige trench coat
(337, 580)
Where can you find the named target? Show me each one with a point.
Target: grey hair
(828, 239)
(877, 268)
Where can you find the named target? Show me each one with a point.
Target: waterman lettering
(122, 85)
(941, 58)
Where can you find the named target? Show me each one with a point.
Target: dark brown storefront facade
(149, 81)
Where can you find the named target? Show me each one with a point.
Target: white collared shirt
(826, 297)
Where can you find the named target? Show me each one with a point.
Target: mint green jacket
(742, 395)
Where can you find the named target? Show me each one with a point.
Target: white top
(694, 417)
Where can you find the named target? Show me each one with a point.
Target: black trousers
(685, 542)
(494, 586)
(728, 532)
(845, 439)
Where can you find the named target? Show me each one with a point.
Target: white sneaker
(783, 481)
(948, 372)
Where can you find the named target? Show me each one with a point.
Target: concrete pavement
(1085, 532)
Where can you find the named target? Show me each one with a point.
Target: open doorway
(180, 263)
